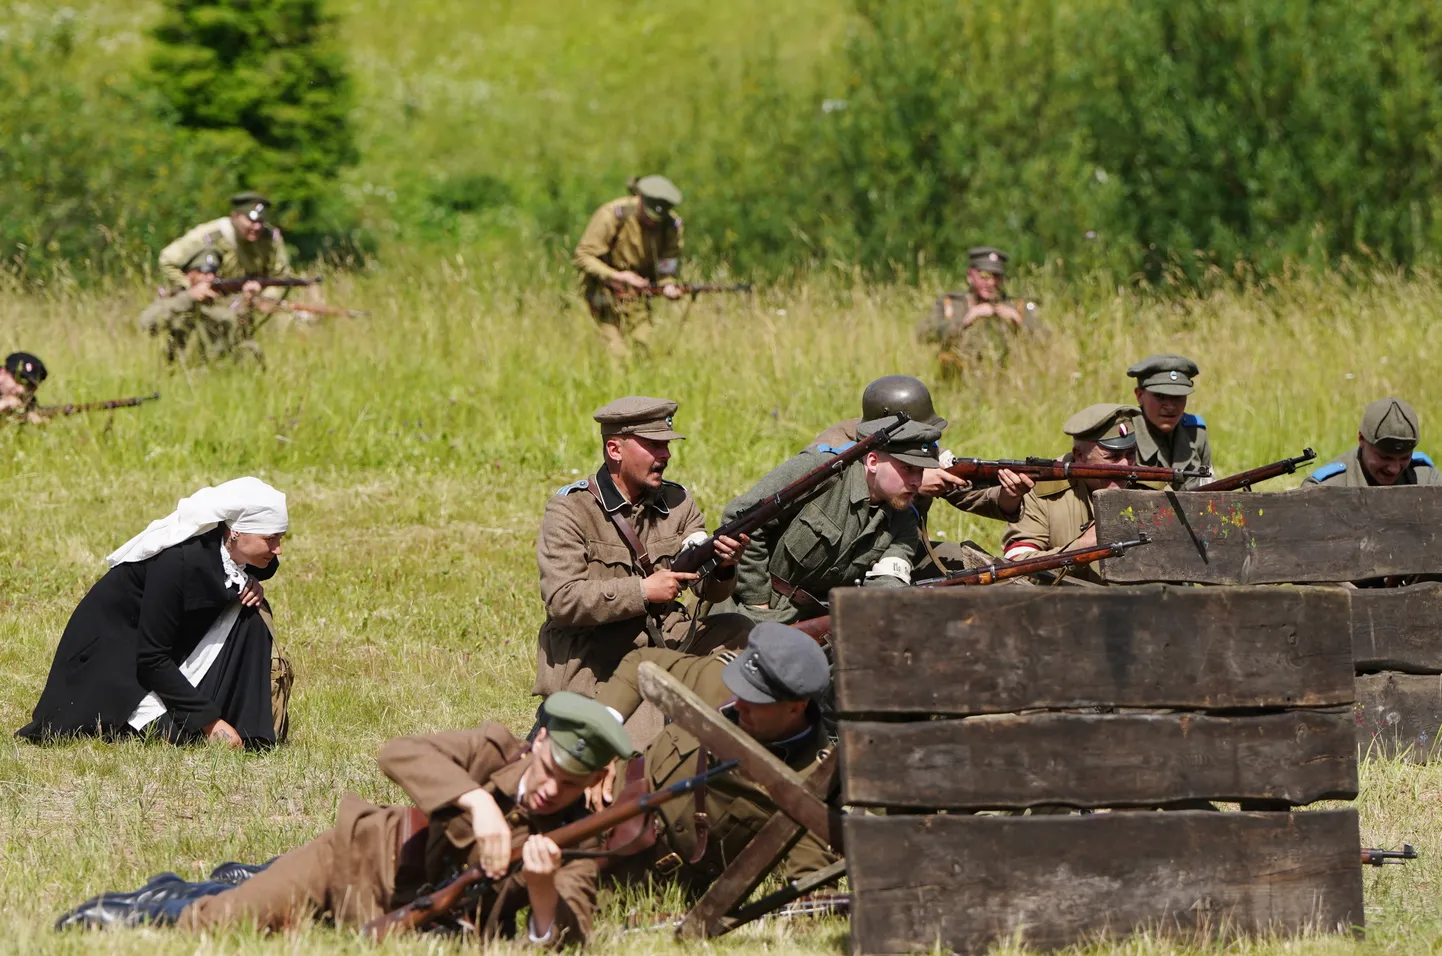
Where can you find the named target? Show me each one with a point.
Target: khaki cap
(658, 189)
(1165, 374)
(585, 735)
(255, 204)
(206, 260)
(1392, 425)
(987, 259)
(638, 415)
(1107, 424)
(913, 443)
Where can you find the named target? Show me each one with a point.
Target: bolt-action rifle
(692, 290)
(232, 286)
(701, 558)
(1372, 857)
(982, 471)
(471, 881)
(1244, 480)
(320, 308)
(819, 628)
(98, 406)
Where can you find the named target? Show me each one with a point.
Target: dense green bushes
(1144, 135)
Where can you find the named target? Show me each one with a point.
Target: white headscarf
(247, 505)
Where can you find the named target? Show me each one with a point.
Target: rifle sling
(798, 596)
(638, 554)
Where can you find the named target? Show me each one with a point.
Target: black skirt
(238, 683)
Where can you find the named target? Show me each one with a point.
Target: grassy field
(417, 447)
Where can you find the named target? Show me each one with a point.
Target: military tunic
(596, 610)
(616, 241)
(1053, 515)
(1186, 447)
(358, 870)
(266, 257)
(833, 540)
(735, 808)
(1346, 471)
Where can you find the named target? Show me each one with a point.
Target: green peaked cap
(585, 736)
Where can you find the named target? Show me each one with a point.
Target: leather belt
(797, 596)
(668, 863)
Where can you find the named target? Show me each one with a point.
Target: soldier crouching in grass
(476, 794)
(771, 692)
(20, 378)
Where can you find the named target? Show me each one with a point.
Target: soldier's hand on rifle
(1008, 311)
(201, 291)
(979, 311)
(671, 291)
(540, 859)
(729, 550)
(250, 289)
(1013, 488)
(628, 279)
(600, 794)
(663, 586)
(492, 832)
(938, 482)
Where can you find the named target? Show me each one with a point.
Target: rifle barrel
(1245, 479)
(1056, 469)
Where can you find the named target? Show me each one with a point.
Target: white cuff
(891, 567)
(694, 539)
(531, 931)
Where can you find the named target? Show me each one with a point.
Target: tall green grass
(418, 447)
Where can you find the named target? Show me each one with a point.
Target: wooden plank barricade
(955, 702)
(1315, 535)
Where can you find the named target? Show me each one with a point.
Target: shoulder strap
(628, 533)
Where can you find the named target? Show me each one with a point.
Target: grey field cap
(638, 415)
(1165, 374)
(913, 443)
(1392, 425)
(1106, 423)
(780, 663)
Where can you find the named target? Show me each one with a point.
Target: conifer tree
(264, 81)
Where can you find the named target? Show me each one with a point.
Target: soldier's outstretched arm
(622, 693)
(435, 769)
(595, 243)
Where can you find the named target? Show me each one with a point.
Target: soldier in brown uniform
(19, 379)
(630, 245)
(957, 313)
(604, 549)
(1168, 436)
(1386, 452)
(770, 691)
(1057, 515)
(476, 794)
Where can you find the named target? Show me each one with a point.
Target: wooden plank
(989, 650)
(970, 881)
(726, 741)
(1395, 629)
(1100, 760)
(1399, 715)
(754, 863)
(1305, 535)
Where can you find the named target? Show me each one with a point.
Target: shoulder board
(1420, 458)
(834, 449)
(675, 485)
(275, 235)
(623, 210)
(676, 221)
(581, 485)
(211, 238)
(1328, 471)
(726, 657)
(1051, 489)
(1193, 421)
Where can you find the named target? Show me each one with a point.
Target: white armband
(947, 458)
(891, 567)
(694, 539)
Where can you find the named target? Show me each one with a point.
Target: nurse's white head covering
(247, 505)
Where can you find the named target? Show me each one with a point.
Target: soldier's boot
(234, 874)
(159, 902)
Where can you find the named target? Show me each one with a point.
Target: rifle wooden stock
(232, 286)
(98, 406)
(819, 628)
(699, 558)
(432, 906)
(984, 471)
(1244, 480)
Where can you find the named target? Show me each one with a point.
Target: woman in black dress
(172, 640)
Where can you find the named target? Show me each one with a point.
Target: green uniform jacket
(736, 808)
(1187, 448)
(615, 241)
(831, 541)
(1346, 472)
(238, 260)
